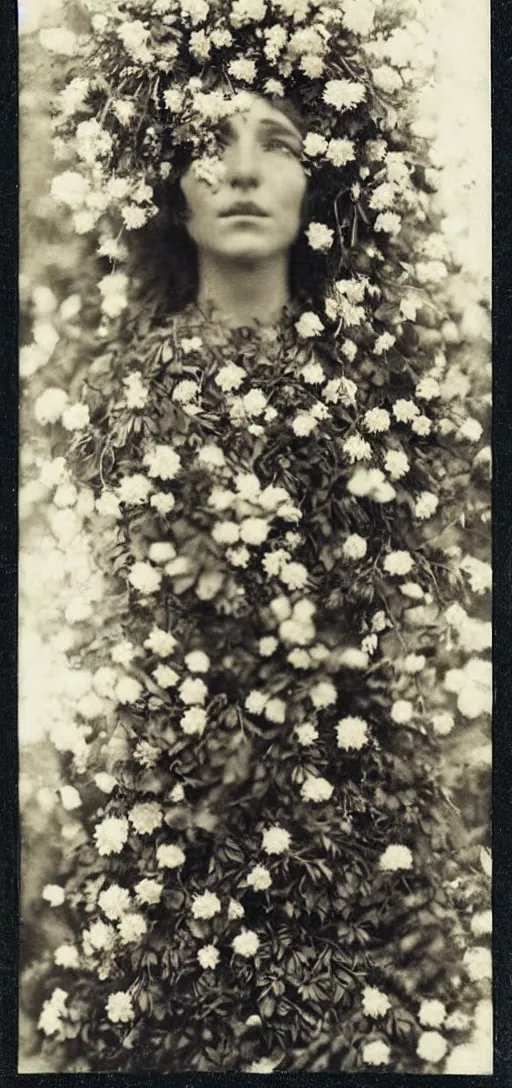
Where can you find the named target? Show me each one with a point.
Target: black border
(501, 34)
(8, 535)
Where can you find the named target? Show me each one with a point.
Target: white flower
(402, 711)
(426, 505)
(255, 702)
(194, 721)
(160, 642)
(177, 793)
(306, 733)
(481, 923)
(313, 373)
(243, 69)
(108, 505)
(267, 646)
(343, 94)
(355, 547)
(254, 402)
(193, 691)
(375, 1003)
(162, 503)
(340, 152)
(377, 420)
(398, 563)
(478, 963)
(428, 388)
(123, 653)
(208, 956)
(376, 1053)
(148, 891)
(161, 552)
(259, 878)
(128, 690)
(145, 578)
(276, 840)
(275, 710)
(294, 575)
(263, 1065)
(383, 196)
(105, 782)
(357, 449)
(235, 910)
(206, 905)
(471, 430)
(134, 490)
(309, 325)
(395, 857)
(136, 394)
(66, 955)
(132, 927)
(197, 661)
(230, 377)
(124, 110)
(119, 1008)
(50, 405)
(323, 694)
(432, 1013)
(70, 188)
(385, 341)
(422, 425)
(432, 1046)
(111, 835)
(312, 66)
(390, 223)
(104, 681)
(352, 733)
(246, 943)
(274, 88)
(254, 530)
(173, 99)
(479, 573)
(316, 789)
(314, 144)
(53, 894)
(70, 798)
(443, 723)
(320, 237)
(413, 663)
(304, 424)
(169, 857)
(396, 464)
(163, 461)
(114, 901)
(146, 817)
(405, 410)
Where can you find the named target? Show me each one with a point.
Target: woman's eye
(281, 145)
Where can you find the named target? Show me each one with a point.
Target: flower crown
(152, 80)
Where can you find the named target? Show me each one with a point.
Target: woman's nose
(242, 166)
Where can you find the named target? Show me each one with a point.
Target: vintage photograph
(255, 679)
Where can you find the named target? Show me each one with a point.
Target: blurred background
(454, 113)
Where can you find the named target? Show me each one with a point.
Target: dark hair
(163, 258)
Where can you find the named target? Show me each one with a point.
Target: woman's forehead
(260, 112)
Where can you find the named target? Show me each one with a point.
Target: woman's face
(256, 210)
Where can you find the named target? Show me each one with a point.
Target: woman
(253, 753)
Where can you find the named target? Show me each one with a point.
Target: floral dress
(263, 876)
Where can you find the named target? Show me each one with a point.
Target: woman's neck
(244, 294)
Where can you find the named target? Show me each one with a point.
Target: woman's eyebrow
(283, 128)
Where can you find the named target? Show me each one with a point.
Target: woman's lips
(244, 210)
